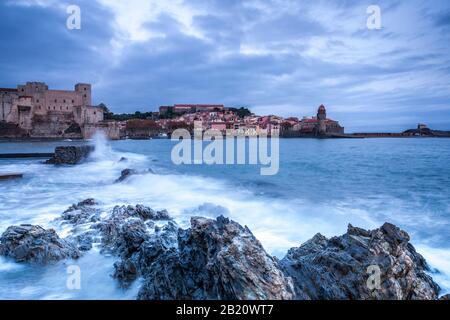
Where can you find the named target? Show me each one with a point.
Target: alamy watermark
(262, 150)
(374, 280)
(73, 281)
(73, 21)
(374, 19)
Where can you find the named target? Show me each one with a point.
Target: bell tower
(321, 118)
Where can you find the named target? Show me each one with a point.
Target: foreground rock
(70, 155)
(82, 212)
(220, 259)
(28, 243)
(337, 268)
(214, 259)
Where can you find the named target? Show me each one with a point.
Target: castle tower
(322, 117)
(85, 90)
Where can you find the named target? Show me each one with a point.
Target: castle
(32, 110)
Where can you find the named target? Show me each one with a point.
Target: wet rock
(445, 297)
(70, 155)
(139, 211)
(125, 271)
(125, 174)
(85, 240)
(83, 212)
(138, 261)
(127, 223)
(28, 243)
(214, 259)
(163, 239)
(346, 267)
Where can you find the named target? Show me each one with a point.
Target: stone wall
(42, 113)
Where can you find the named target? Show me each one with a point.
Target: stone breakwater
(220, 259)
(70, 155)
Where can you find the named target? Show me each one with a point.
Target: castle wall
(45, 113)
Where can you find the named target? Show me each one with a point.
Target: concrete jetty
(25, 155)
(10, 176)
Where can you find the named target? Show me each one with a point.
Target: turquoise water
(322, 185)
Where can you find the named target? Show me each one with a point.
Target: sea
(322, 185)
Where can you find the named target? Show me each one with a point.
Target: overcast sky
(274, 56)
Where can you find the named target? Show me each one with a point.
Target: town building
(36, 111)
(178, 109)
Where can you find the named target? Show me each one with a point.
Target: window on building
(60, 108)
(56, 100)
(67, 108)
(54, 108)
(95, 112)
(73, 101)
(23, 90)
(64, 100)
(84, 89)
(85, 96)
(37, 100)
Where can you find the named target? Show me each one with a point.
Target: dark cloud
(281, 57)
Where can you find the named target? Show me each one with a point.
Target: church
(319, 125)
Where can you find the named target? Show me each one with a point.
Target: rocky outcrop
(82, 212)
(121, 233)
(137, 260)
(70, 155)
(220, 259)
(214, 259)
(347, 267)
(28, 243)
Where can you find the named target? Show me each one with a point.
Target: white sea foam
(278, 223)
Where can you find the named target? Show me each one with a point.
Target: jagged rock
(161, 241)
(337, 268)
(84, 240)
(82, 212)
(445, 297)
(125, 271)
(138, 261)
(124, 233)
(70, 155)
(28, 243)
(215, 259)
(125, 229)
(139, 211)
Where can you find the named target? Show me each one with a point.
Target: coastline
(347, 136)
